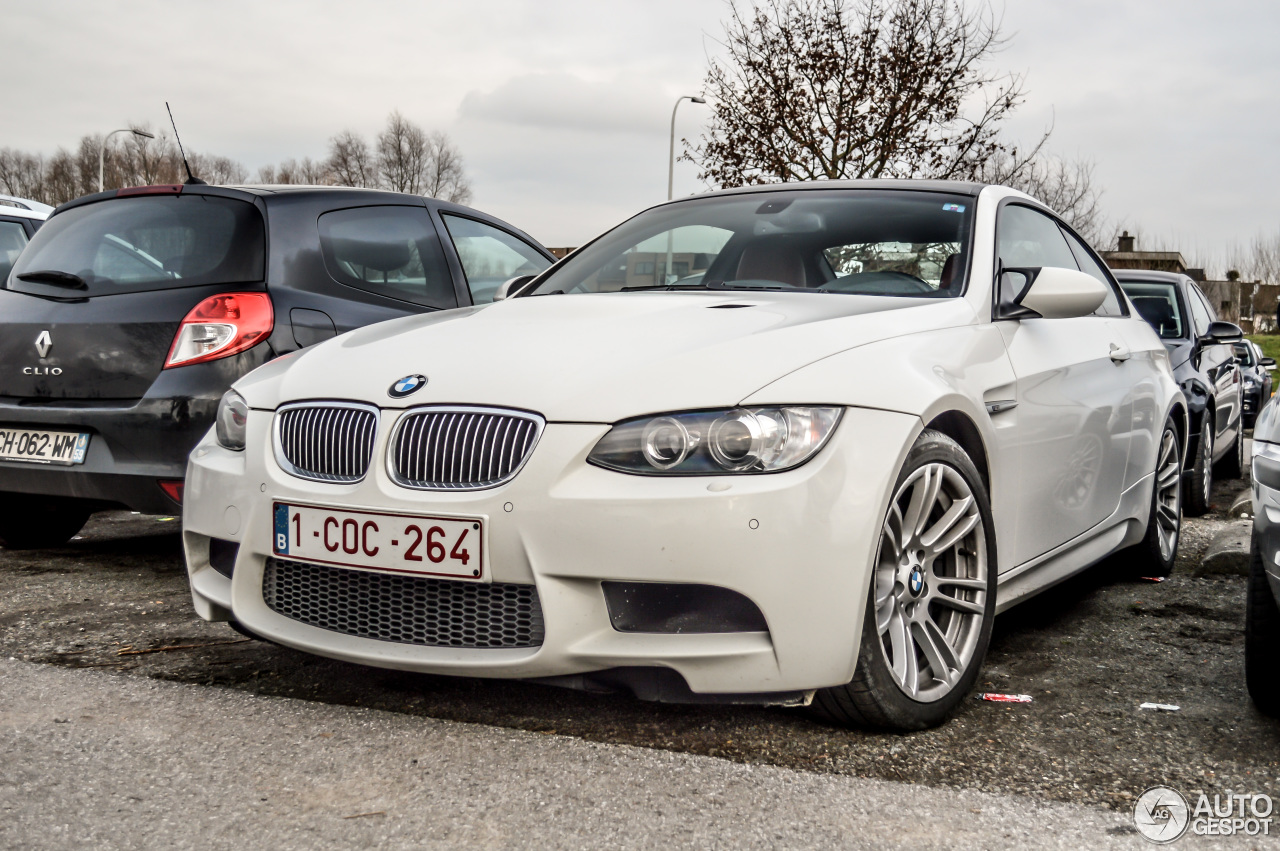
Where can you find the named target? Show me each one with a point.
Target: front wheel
(1200, 482)
(931, 603)
(1232, 464)
(1159, 547)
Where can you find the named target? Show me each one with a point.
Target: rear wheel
(1232, 464)
(1200, 482)
(1262, 639)
(32, 522)
(932, 598)
(1159, 547)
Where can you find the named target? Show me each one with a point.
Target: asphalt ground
(1089, 652)
(99, 761)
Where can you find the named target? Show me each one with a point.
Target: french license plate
(396, 543)
(43, 447)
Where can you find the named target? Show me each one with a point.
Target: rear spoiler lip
(158, 189)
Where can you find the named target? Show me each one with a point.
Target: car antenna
(192, 180)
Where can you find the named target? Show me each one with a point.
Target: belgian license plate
(43, 447)
(371, 540)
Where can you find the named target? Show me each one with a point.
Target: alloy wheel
(931, 582)
(1206, 446)
(1168, 495)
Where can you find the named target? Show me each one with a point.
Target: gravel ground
(1089, 652)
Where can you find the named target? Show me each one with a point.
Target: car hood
(598, 357)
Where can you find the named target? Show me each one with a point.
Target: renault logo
(405, 386)
(44, 343)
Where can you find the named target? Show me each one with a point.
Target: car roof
(23, 208)
(1149, 276)
(955, 187)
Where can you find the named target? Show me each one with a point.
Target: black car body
(131, 312)
(1204, 365)
(1255, 375)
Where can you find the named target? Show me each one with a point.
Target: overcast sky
(561, 108)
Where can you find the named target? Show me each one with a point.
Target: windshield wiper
(55, 278)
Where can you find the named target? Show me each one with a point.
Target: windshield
(1158, 304)
(146, 243)
(857, 242)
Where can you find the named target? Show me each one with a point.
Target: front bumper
(799, 544)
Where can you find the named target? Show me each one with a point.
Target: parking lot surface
(145, 764)
(1089, 652)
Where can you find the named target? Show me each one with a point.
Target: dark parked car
(1262, 611)
(1204, 364)
(1255, 374)
(131, 312)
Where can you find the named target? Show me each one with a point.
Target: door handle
(1120, 354)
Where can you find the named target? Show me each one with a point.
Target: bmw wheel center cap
(916, 582)
(405, 386)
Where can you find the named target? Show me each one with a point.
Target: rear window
(131, 245)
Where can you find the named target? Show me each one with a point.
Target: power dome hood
(599, 357)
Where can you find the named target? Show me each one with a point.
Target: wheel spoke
(892, 531)
(923, 495)
(904, 653)
(939, 653)
(958, 604)
(960, 582)
(952, 526)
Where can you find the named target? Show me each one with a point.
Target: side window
(1029, 238)
(1110, 307)
(1200, 314)
(490, 256)
(13, 238)
(391, 251)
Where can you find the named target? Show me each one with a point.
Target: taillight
(173, 489)
(221, 325)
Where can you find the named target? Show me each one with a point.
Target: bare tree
(444, 177)
(813, 89)
(217, 170)
(351, 162)
(22, 175)
(1066, 187)
(1261, 260)
(403, 151)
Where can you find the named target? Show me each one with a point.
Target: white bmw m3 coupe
(794, 444)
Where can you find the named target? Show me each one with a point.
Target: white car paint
(801, 544)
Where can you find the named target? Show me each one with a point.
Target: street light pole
(102, 152)
(671, 159)
(671, 177)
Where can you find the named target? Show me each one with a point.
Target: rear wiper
(55, 278)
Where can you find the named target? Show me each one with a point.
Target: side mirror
(507, 287)
(1267, 363)
(1223, 332)
(1049, 292)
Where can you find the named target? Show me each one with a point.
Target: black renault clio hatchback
(131, 312)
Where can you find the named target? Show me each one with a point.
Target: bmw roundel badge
(405, 386)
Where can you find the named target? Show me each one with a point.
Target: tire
(915, 562)
(1155, 555)
(33, 522)
(1261, 639)
(1232, 464)
(1200, 482)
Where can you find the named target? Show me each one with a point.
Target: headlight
(708, 443)
(233, 414)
